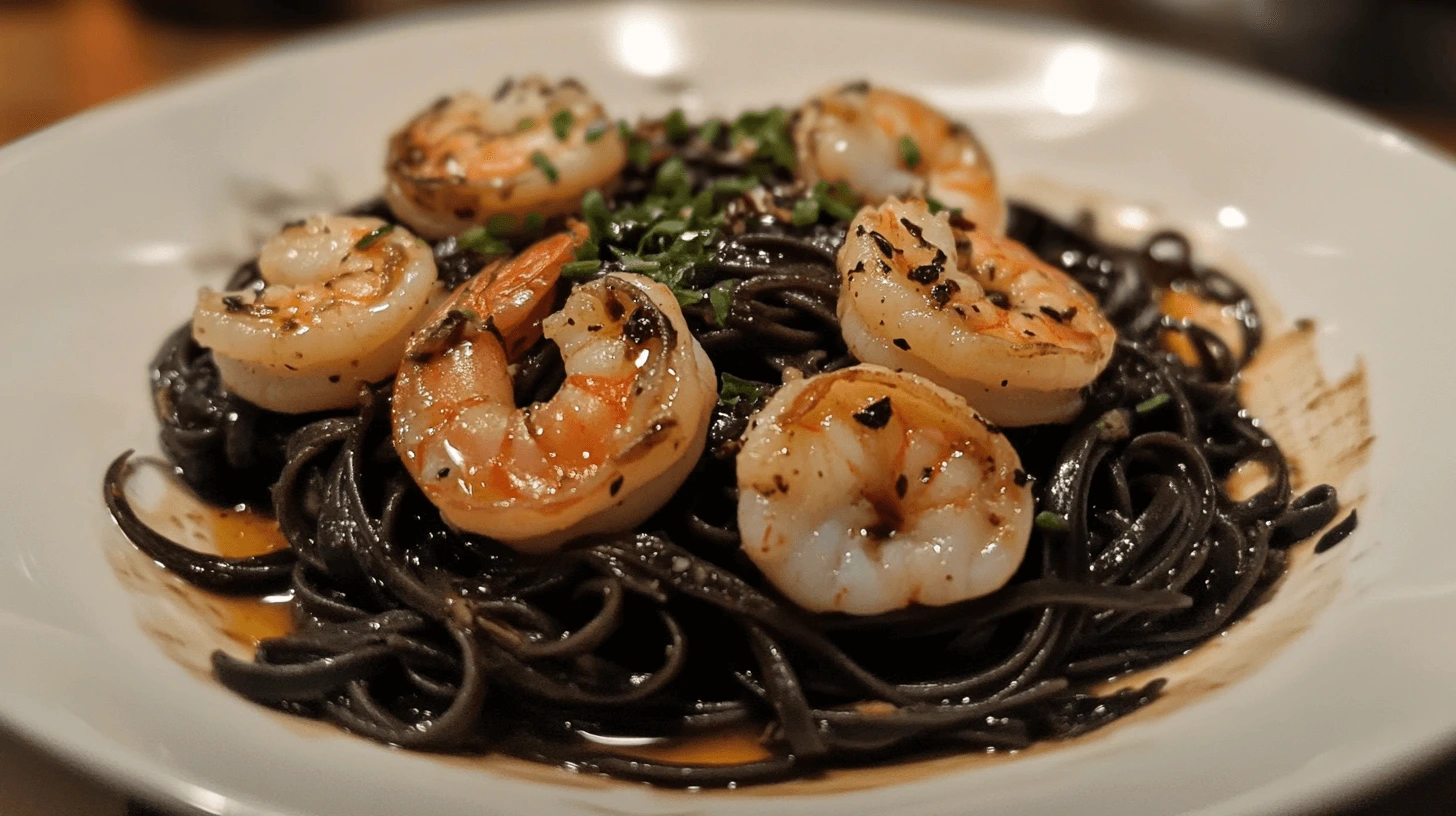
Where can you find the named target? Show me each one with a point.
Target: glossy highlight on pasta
(412, 630)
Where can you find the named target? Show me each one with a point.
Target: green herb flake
(769, 132)
(500, 225)
(594, 209)
(533, 224)
(837, 200)
(837, 211)
(735, 187)
(934, 204)
(624, 130)
(477, 239)
(590, 250)
(1152, 403)
(668, 228)
(596, 130)
(677, 126)
(909, 151)
(373, 238)
(632, 264)
(469, 314)
(721, 299)
(1052, 522)
(640, 154)
(544, 164)
(561, 122)
(806, 212)
(687, 297)
(525, 124)
(580, 270)
(672, 177)
(710, 131)
(731, 389)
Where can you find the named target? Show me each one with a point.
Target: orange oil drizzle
(238, 533)
(735, 745)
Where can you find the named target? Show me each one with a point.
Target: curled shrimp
(532, 149)
(976, 313)
(336, 303)
(603, 454)
(884, 143)
(866, 490)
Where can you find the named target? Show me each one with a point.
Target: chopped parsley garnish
(596, 130)
(580, 270)
(720, 297)
(672, 234)
(677, 126)
(595, 211)
(525, 124)
(1053, 522)
(672, 176)
(1152, 403)
(500, 225)
(936, 205)
(731, 389)
(561, 122)
(478, 239)
(544, 164)
(836, 199)
(909, 151)
(768, 131)
(639, 153)
(806, 212)
(373, 237)
(710, 131)
(533, 224)
(687, 297)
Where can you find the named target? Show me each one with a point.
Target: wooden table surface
(57, 58)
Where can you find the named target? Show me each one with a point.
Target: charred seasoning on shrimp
(603, 453)
(866, 490)
(527, 152)
(885, 143)
(976, 313)
(337, 300)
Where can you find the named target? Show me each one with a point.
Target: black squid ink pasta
(412, 633)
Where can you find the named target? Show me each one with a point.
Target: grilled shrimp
(338, 299)
(603, 454)
(866, 490)
(975, 313)
(532, 149)
(884, 143)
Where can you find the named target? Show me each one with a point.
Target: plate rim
(1360, 778)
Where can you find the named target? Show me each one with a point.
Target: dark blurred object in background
(1390, 53)
(253, 13)
(1395, 54)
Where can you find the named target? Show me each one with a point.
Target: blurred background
(1393, 58)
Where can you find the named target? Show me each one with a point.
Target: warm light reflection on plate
(1073, 78)
(647, 42)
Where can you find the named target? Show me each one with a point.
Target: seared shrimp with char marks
(884, 143)
(532, 149)
(602, 455)
(976, 313)
(866, 490)
(337, 301)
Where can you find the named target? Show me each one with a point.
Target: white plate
(108, 217)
